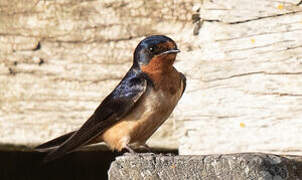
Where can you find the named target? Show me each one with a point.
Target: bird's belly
(144, 119)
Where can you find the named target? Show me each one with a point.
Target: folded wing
(112, 109)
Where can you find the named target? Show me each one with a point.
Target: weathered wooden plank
(59, 59)
(237, 11)
(246, 80)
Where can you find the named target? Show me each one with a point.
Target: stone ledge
(230, 166)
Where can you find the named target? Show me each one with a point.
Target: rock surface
(232, 166)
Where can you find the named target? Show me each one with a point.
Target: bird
(136, 108)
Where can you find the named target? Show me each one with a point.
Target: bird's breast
(152, 109)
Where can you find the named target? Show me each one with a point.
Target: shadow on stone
(78, 165)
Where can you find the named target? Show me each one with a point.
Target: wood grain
(242, 60)
(246, 79)
(59, 59)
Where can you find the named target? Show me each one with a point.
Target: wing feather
(112, 109)
(52, 144)
(184, 81)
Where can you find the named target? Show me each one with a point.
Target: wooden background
(242, 59)
(248, 79)
(59, 59)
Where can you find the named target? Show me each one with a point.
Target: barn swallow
(136, 108)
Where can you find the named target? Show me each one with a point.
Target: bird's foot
(145, 146)
(129, 149)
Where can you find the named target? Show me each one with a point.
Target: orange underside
(166, 79)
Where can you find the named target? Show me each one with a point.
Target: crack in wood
(253, 19)
(278, 94)
(95, 41)
(256, 47)
(253, 73)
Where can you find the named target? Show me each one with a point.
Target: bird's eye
(151, 49)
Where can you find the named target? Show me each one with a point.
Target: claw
(146, 147)
(130, 149)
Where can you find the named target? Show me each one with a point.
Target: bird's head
(155, 53)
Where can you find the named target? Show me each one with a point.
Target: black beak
(170, 51)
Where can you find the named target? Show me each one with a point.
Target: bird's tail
(53, 144)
